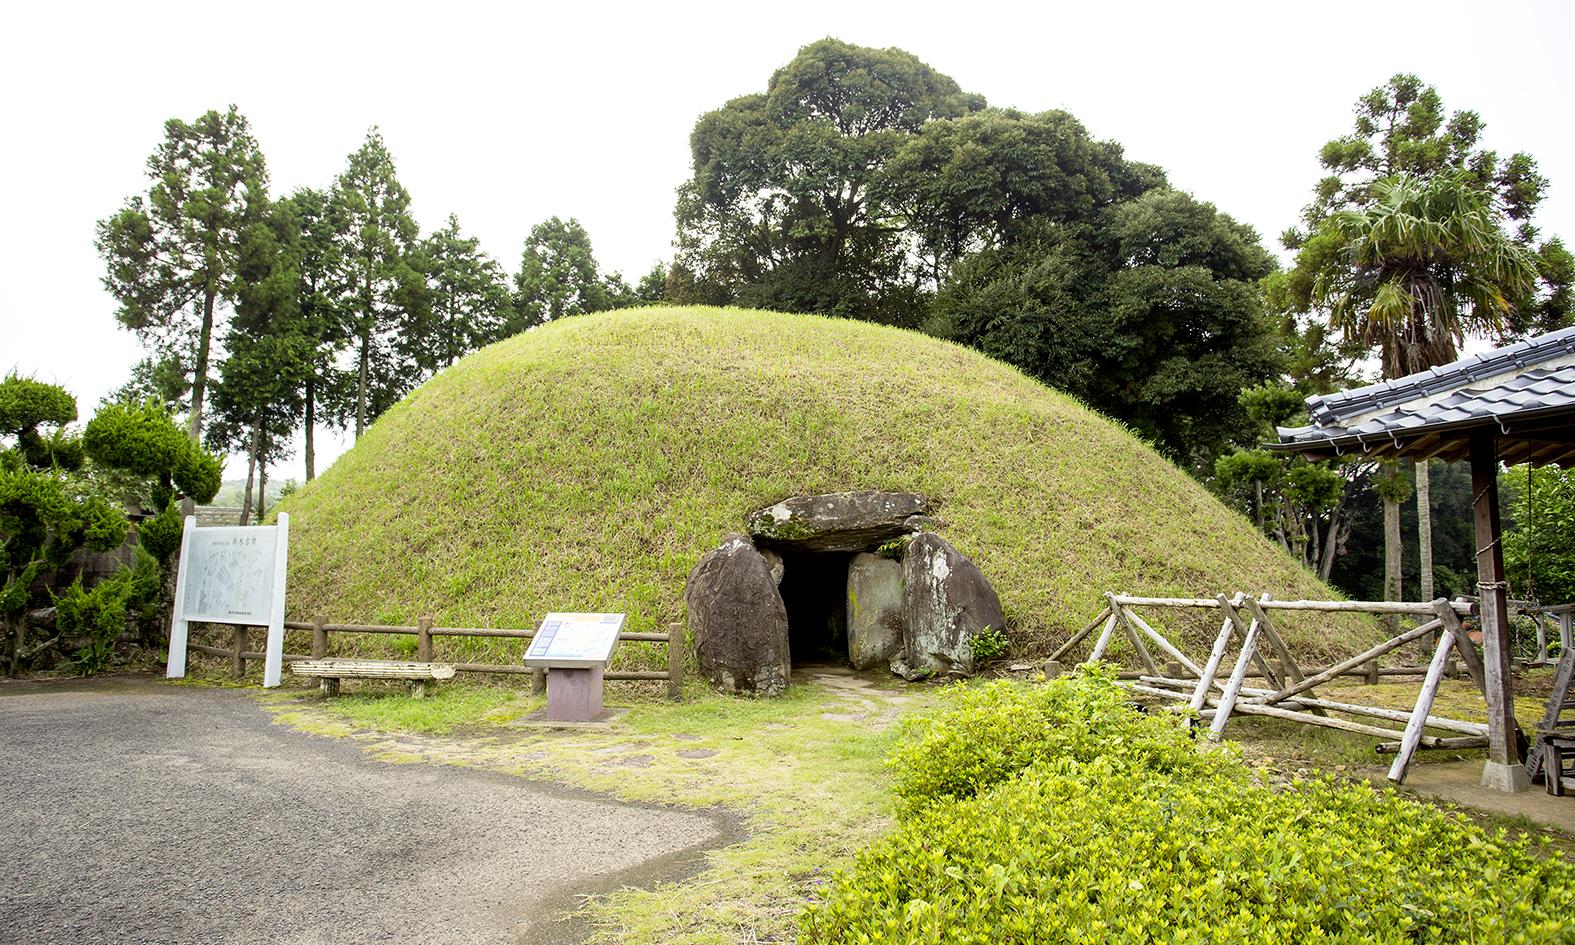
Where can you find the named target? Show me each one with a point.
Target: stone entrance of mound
(848, 578)
(814, 591)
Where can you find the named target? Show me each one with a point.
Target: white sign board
(231, 575)
(574, 641)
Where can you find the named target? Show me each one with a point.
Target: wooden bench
(330, 671)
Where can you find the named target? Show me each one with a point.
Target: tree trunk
(262, 484)
(367, 326)
(199, 379)
(1257, 486)
(251, 472)
(1392, 551)
(1424, 544)
(199, 372)
(311, 421)
(361, 383)
(1424, 527)
(1331, 540)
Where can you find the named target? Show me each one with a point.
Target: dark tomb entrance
(815, 593)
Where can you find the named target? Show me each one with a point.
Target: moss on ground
(589, 463)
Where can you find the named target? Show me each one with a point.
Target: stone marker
(739, 623)
(874, 610)
(838, 521)
(947, 601)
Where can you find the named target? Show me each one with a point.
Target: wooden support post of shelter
(1504, 766)
(1511, 405)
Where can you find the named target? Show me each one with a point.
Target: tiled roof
(1524, 392)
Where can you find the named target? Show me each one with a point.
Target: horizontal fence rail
(424, 631)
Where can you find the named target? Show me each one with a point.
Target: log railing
(425, 631)
(1198, 687)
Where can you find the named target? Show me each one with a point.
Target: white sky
(508, 114)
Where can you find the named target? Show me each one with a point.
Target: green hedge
(1095, 830)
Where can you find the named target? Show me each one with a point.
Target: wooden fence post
(238, 646)
(675, 663)
(319, 640)
(424, 639)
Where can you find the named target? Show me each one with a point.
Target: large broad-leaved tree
(785, 208)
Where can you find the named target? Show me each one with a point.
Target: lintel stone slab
(836, 521)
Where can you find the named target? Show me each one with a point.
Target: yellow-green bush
(983, 735)
(1130, 846)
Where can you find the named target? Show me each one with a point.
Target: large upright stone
(739, 623)
(946, 602)
(874, 610)
(837, 521)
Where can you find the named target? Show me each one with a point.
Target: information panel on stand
(574, 641)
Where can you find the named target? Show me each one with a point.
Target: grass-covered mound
(587, 465)
(1059, 814)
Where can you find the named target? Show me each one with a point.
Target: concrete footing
(1511, 779)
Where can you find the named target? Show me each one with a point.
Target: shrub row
(1104, 825)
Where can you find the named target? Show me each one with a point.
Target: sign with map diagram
(574, 641)
(231, 575)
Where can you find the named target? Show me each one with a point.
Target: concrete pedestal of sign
(574, 695)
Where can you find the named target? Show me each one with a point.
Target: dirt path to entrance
(139, 811)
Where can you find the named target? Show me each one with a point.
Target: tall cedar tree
(387, 291)
(470, 305)
(1407, 247)
(322, 308)
(172, 257)
(259, 398)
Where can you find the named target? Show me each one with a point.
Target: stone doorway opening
(814, 592)
(840, 578)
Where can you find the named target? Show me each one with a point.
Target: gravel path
(140, 812)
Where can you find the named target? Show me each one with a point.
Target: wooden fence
(425, 631)
(1197, 685)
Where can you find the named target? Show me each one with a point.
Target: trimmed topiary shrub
(1082, 821)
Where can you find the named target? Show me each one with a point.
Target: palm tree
(1426, 263)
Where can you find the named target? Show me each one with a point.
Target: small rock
(698, 753)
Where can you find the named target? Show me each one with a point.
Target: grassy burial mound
(588, 464)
